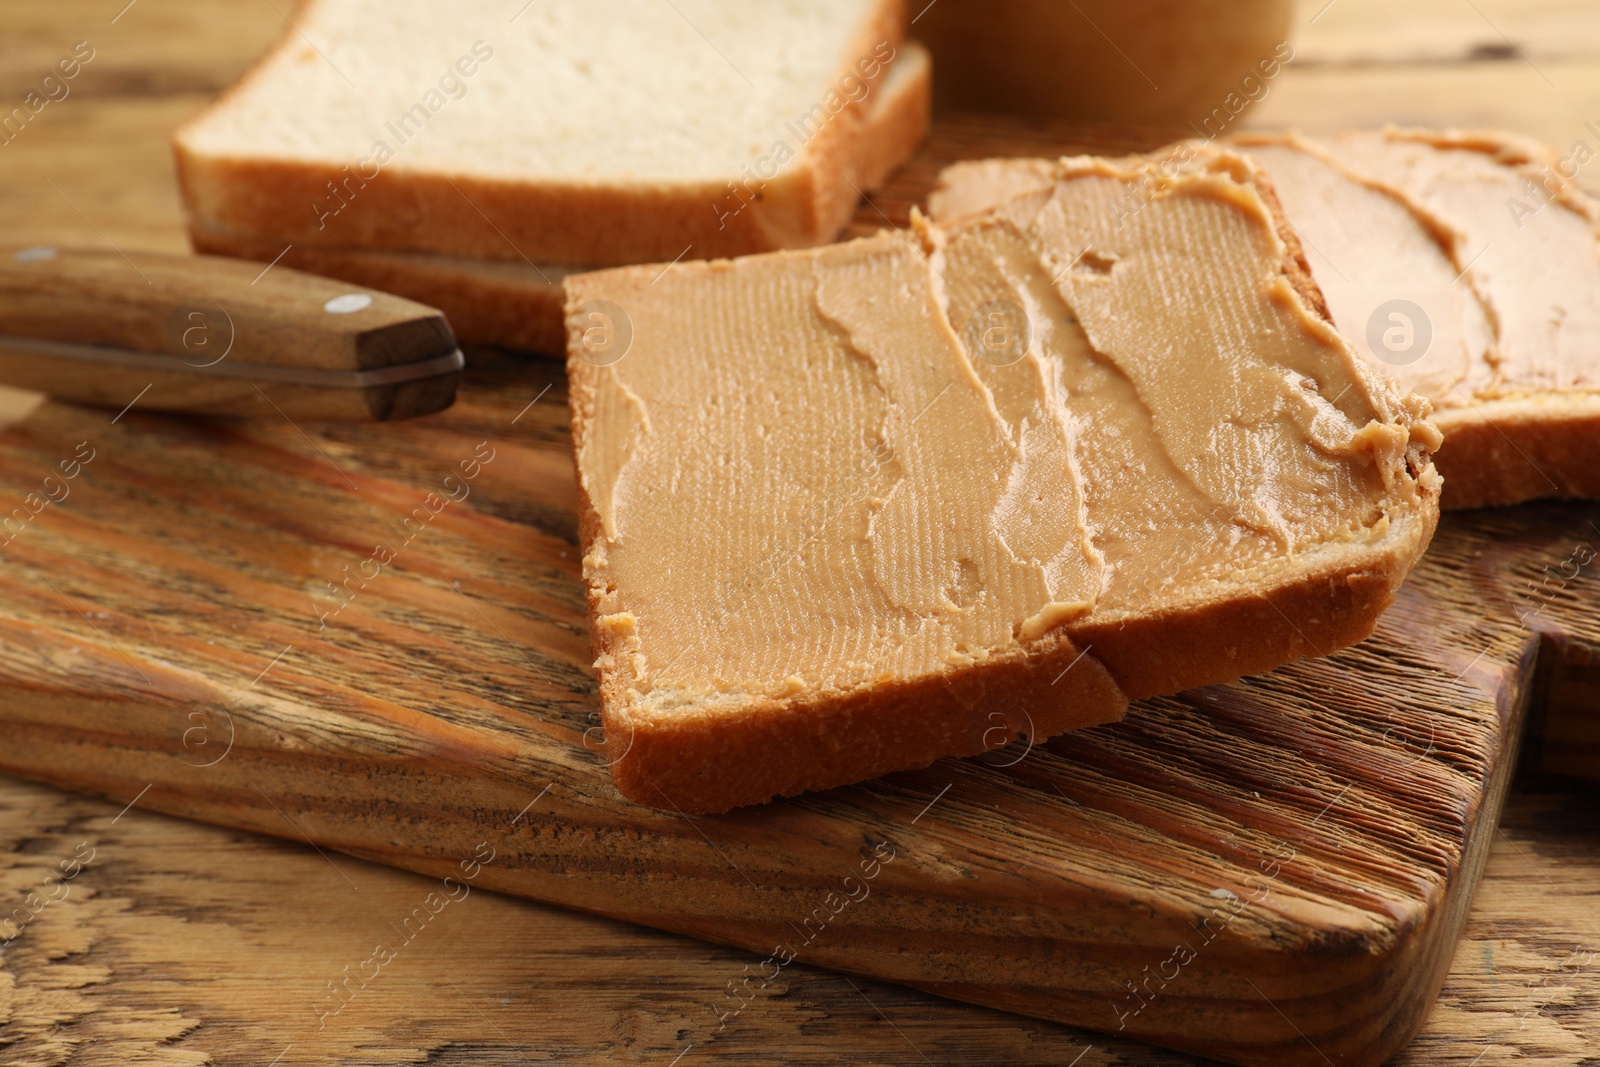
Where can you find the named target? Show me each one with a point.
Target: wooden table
(181, 942)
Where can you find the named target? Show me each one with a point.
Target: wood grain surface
(145, 616)
(181, 944)
(373, 638)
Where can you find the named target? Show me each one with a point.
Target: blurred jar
(1141, 62)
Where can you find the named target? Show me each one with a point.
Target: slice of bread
(518, 304)
(850, 510)
(569, 131)
(1465, 265)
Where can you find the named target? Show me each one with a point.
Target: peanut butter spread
(1467, 267)
(870, 462)
(973, 186)
(1521, 235)
(1408, 309)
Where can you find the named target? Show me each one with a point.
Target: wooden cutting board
(1269, 872)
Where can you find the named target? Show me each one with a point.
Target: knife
(218, 336)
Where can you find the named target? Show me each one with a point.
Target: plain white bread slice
(517, 303)
(572, 131)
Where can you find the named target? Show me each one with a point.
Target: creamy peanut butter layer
(1380, 261)
(1499, 252)
(1466, 266)
(1523, 237)
(803, 483)
(917, 457)
(1224, 426)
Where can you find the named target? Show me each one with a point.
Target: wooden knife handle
(217, 336)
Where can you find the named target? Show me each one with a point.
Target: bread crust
(1318, 609)
(537, 221)
(898, 119)
(1082, 676)
(710, 759)
(1511, 450)
(518, 304)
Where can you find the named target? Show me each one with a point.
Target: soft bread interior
(517, 303)
(597, 131)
